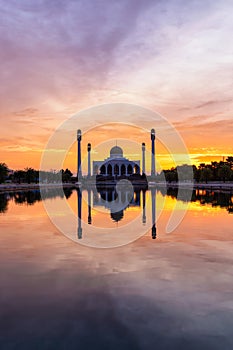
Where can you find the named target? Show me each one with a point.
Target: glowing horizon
(175, 58)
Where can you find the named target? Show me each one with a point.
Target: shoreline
(215, 186)
(30, 187)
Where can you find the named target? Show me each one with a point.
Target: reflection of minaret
(152, 152)
(89, 205)
(143, 206)
(153, 207)
(79, 167)
(79, 214)
(89, 159)
(143, 158)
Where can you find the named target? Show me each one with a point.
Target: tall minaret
(143, 206)
(89, 205)
(153, 208)
(143, 158)
(80, 230)
(89, 160)
(153, 152)
(79, 166)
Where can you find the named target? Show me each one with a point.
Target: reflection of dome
(117, 216)
(116, 152)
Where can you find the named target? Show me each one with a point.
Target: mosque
(116, 166)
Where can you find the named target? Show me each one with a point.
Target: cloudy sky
(60, 56)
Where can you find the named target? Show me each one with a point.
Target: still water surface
(172, 292)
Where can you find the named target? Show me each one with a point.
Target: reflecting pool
(161, 291)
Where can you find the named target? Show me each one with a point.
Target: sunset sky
(59, 57)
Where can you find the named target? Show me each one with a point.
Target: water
(172, 292)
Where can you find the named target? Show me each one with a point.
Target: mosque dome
(117, 216)
(116, 151)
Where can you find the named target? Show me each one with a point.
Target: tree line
(30, 175)
(215, 171)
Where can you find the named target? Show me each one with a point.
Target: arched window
(109, 169)
(116, 169)
(136, 169)
(102, 170)
(130, 169)
(123, 169)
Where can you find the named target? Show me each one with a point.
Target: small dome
(116, 151)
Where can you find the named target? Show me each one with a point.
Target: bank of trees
(30, 175)
(215, 171)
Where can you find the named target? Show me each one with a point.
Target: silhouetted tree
(185, 172)
(225, 172)
(171, 175)
(19, 176)
(3, 172)
(196, 173)
(66, 175)
(206, 174)
(30, 175)
(229, 162)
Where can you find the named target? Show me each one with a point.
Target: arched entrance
(116, 169)
(123, 169)
(130, 169)
(103, 170)
(109, 169)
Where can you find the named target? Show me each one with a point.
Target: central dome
(116, 152)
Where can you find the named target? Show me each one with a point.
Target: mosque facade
(116, 165)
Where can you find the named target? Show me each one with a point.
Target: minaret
(153, 207)
(153, 152)
(143, 206)
(89, 160)
(79, 166)
(89, 206)
(143, 158)
(80, 230)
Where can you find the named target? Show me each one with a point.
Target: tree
(66, 175)
(30, 175)
(185, 172)
(229, 162)
(3, 172)
(225, 172)
(19, 175)
(171, 175)
(196, 173)
(206, 174)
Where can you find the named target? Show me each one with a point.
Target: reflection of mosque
(117, 200)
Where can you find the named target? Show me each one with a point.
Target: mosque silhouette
(116, 166)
